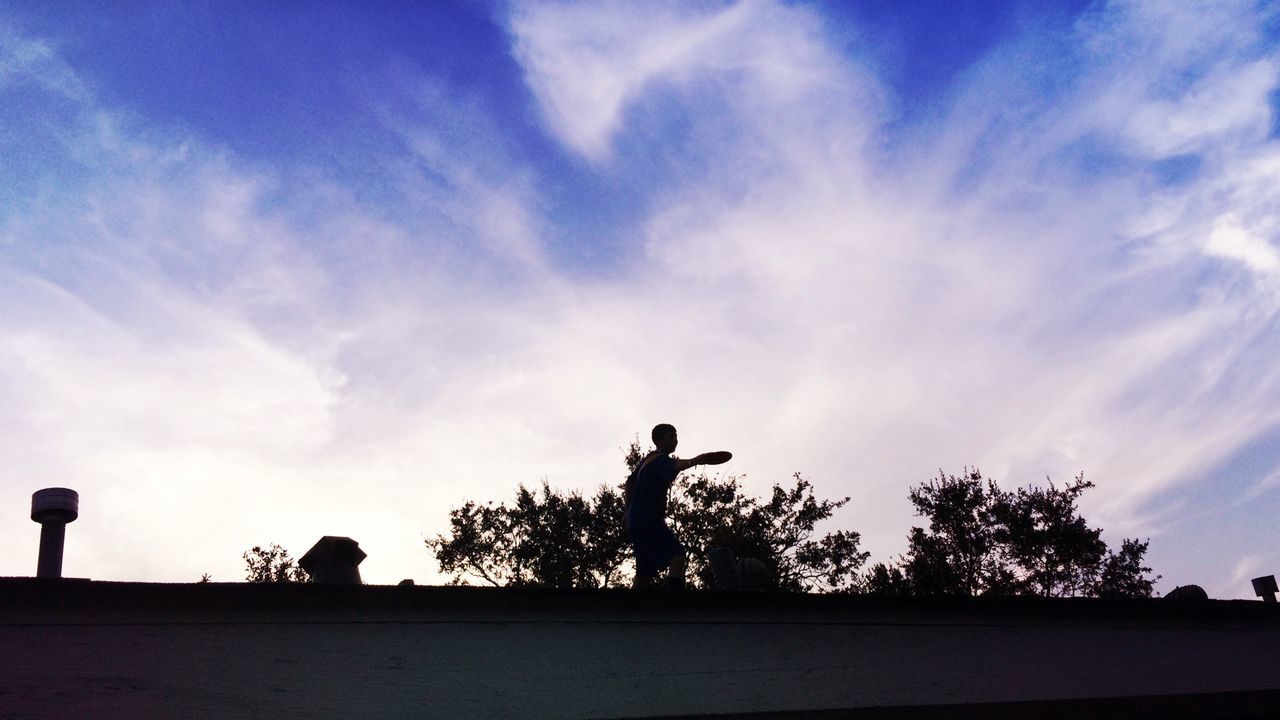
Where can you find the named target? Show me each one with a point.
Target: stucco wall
(111, 649)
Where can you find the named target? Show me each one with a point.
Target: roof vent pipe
(53, 508)
(725, 569)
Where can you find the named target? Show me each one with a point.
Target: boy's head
(664, 437)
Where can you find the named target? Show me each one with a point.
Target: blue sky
(270, 273)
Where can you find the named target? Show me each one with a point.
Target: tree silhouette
(982, 540)
(272, 564)
(960, 553)
(887, 579)
(552, 538)
(1051, 549)
(566, 540)
(1124, 575)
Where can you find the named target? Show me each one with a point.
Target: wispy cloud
(1240, 576)
(589, 64)
(25, 60)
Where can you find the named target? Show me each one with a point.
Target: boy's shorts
(655, 547)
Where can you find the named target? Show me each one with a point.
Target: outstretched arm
(711, 458)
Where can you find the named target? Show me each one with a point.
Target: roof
(374, 651)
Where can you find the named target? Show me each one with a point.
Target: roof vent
(1265, 587)
(1187, 593)
(725, 569)
(334, 561)
(53, 508)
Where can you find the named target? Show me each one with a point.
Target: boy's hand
(711, 458)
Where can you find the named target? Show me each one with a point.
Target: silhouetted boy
(655, 546)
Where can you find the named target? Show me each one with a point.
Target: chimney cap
(1265, 587)
(55, 504)
(332, 549)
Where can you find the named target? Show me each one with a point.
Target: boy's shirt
(650, 485)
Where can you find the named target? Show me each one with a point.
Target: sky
(272, 272)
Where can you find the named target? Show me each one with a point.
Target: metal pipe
(53, 508)
(52, 535)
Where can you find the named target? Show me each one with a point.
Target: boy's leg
(646, 571)
(655, 548)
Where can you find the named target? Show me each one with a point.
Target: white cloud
(586, 63)
(1229, 239)
(1231, 100)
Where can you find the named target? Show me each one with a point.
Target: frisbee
(717, 458)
